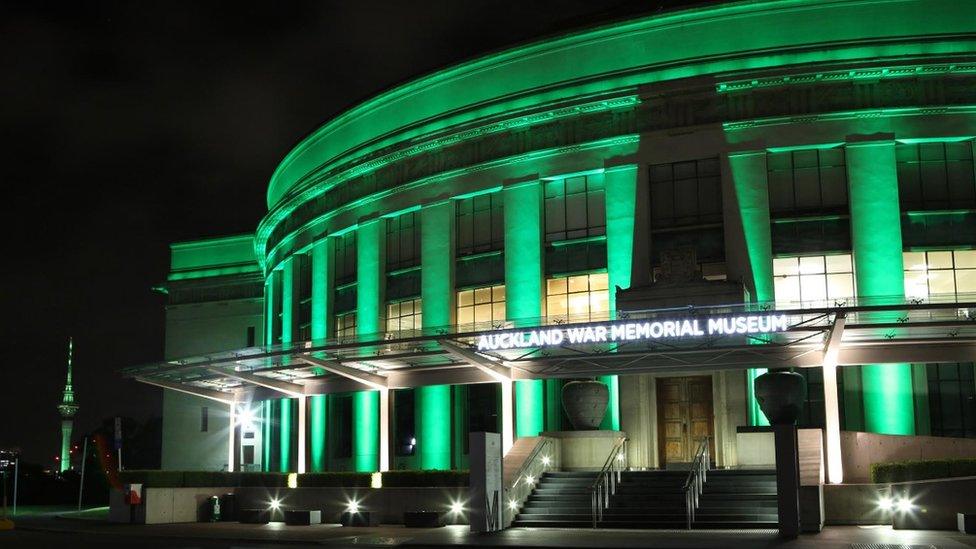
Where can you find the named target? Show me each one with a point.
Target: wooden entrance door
(684, 416)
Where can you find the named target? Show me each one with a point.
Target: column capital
(869, 140)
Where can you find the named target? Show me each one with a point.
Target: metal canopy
(874, 331)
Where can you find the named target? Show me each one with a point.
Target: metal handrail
(533, 467)
(605, 484)
(695, 482)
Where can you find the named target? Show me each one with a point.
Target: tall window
(952, 402)
(577, 298)
(813, 278)
(304, 294)
(948, 273)
(480, 224)
(807, 182)
(345, 259)
(345, 325)
(686, 212)
(481, 305)
(936, 176)
(403, 241)
(575, 208)
(685, 193)
(403, 315)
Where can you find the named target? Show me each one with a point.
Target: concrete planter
(585, 403)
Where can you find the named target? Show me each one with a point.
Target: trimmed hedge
(338, 479)
(335, 479)
(424, 479)
(904, 471)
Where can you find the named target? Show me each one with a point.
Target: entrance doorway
(684, 416)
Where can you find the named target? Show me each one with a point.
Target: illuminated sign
(633, 331)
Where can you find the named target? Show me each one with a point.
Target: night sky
(130, 125)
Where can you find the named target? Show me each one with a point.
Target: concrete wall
(185, 446)
(860, 450)
(385, 505)
(935, 503)
(165, 505)
(855, 504)
(584, 450)
(190, 330)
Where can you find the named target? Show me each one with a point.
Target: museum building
(444, 257)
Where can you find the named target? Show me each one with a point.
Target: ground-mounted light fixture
(457, 507)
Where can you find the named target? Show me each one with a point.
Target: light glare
(352, 506)
(885, 504)
(546, 460)
(275, 504)
(457, 507)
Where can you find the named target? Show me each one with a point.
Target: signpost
(118, 440)
(486, 482)
(81, 484)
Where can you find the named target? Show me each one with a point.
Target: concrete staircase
(654, 499)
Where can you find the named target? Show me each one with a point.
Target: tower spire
(67, 409)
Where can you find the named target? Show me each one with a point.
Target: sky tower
(68, 409)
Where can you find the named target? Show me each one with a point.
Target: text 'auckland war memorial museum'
(619, 229)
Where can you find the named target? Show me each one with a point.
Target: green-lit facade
(797, 152)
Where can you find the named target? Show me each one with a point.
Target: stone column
(433, 402)
(523, 288)
(370, 307)
(290, 285)
(879, 273)
(748, 242)
(620, 192)
(323, 327)
(323, 286)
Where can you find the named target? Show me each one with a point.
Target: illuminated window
(345, 325)
(949, 273)
(403, 315)
(813, 278)
(481, 305)
(577, 298)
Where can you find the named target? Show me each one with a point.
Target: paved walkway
(846, 537)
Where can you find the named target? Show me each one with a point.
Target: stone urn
(781, 396)
(585, 403)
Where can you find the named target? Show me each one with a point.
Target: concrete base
(966, 522)
(756, 449)
(585, 450)
(811, 509)
(303, 517)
